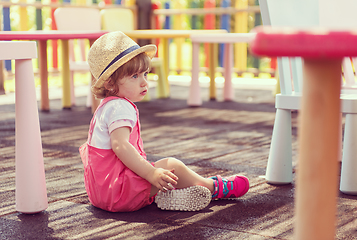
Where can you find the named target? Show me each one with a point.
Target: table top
(57, 34)
(49, 35)
(307, 42)
(169, 33)
(222, 37)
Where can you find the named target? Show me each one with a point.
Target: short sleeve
(121, 123)
(118, 109)
(114, 112)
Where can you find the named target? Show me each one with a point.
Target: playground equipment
(236, 13)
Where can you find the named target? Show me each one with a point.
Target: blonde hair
(138, 64)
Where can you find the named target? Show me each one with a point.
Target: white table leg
(31, 194)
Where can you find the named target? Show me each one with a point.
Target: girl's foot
(193, 198)
(230, 187)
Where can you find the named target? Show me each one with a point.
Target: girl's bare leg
(186, 177)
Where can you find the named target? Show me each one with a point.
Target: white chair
(122, 19)
(339, 15)
(118, 19)
(74, 19)
(31, 193)
(307, 13)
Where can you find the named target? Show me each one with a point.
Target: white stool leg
(228, 92)
(194, 98)
(279, 168)
(31, 195)
(348, 184)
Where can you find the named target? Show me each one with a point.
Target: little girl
(118, 178)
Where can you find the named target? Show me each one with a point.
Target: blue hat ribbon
(122, 54)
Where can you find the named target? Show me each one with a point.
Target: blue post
(7, 27)
(194, 19)
(38, 20)
(225, 24)
(257, 22)
(117, 2)
(167, 18)
(38, 17)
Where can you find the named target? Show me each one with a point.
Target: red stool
(317, 174)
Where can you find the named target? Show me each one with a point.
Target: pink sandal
(231, 187)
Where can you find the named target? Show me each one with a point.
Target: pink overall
(109, 183)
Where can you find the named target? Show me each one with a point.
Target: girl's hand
(163, 179)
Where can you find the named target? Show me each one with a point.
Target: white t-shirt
(112, 115)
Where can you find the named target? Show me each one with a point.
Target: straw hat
(111, 51)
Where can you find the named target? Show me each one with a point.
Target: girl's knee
(169, 163)
(176, 164)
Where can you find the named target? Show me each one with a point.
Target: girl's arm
(127, 153)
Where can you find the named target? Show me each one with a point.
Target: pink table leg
(94, 102)
(213, 52)
(165, 58)
(317, 171)
(228, 92)
(45, 102)
(194, 98)
(31, 195)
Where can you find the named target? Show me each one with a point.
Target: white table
(228, 39)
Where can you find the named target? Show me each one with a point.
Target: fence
(232, 18)
(239, 16)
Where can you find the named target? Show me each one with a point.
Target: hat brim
(150, 50)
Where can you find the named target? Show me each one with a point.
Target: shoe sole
(193, 198)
